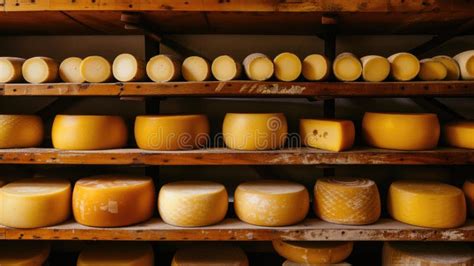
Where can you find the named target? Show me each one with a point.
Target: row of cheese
(257, 66)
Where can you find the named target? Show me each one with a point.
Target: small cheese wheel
(426, 203)
(466, 64)
(347, 67)
(192, 203)
(452, 67)
(113, 200)
(432, 70)
(127, 67)
(327, 134)
(401, 131)
(290, 263)
(117, 254)
(271, 202)
(171, 132)
(347, 200)
(288, 66)
(459, 134)
(468, 189)
(24, 253)
(258, 67)
(20, 131)
(427, 254)
(35, 202)
(196, 68)
(316, 67)
(403, 66)
(10, 69)
(88, 132)
(95, 69)
(375, 68)
(312, 252)
(210, 255)
(225, 68)
(254, 131)
(163, 68)
(40, 70)
(70, 71)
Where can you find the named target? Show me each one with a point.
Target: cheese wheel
(163, 68)
(290, 263)
(88, 132)
(10, 69)
(347, 200)
(327, 134)
(375, 68)
(95, 69)
(432, 70)
(70, 71)
(192, 203)
(403, 66)
(427, 203)
(171, 132)
(20, 131)
(288, 66)
(466, 64)
(468, 189)
(210, 255)
(427, 254)
(254, 131)
(35, 202)
(40, 70)
(347, 67)
(271, 202)
(225, 68)
(312, 252)
(258, 67)
(113, 200)
(400, 131)
(24, 253)
(316, 67)
(117, 254)
(127, 67)
(452, 67)
(459, 134)
(196, 68)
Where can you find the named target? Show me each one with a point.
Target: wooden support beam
(444, 112)
(58, 105)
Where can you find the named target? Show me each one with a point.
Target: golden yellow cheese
(70, 71)
(210, 255)
(316, 67)
(432, 70)
(35, 202)
(196, 68)
(127, 67)
(466, 64)
(88, 132)
(163, 68)
(401, 131)
(258, 67)
(313, 252)
(271, 202)
(468, 189)
(403, 66)
(290, 263)
(225, 68)
(347, 200)
(375, 68)
(117, 254)
(95, 69)
(40, 70)
(427, 203)
(327, 134)
(265, 131)
(452, 67)
(347, 67)
(192, 203)
(20, 131)
(24, 253)
(459, 134)
(288, 66)
(10, 69)
(113, 200)
(171, 132)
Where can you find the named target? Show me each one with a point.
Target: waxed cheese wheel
(127, 67)
(459, 134)
(432, 70)
(20, 131)
(40, 69)
(375, 68)
(466, 64)
(10, 69)
(288, 66)
(316, 67)
(95, 69)
(24, 253)
(70, 70)
(347, 67)
(258, 67)
(468, 189)
(225, 68)
(313, 252)
(196, 68)
(210, 255)
(452, 67)
(403, 66)
(327, 134)
(117, 254)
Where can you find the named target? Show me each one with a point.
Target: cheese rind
(225, 68)
(40, 70)
(70, 70)
(20, 131)
(466, 64)
(459, 134)
(432, 70)
(258, 67)
(95, 69)
(316, 67)
(313, 252)
(24, 253)
(468, 189)
(347, 67)
(163, 68)
(117, 254)
(403, 66)
(210, 255)
(452, 67)
(10, 69)
(375, 68)
(196, 68)
(426, 203)
(127, 68)
(288, 66)
(327, 134)
(290, 263)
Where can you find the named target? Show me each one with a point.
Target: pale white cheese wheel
(70, 71)
(127, 67)
(10, 69)
(96, 69)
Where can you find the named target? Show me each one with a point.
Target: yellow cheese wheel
(327, 134)
(466, 64)
(20, 131)
(88, 132)
(347, 200)
(427, 203)
(403, 66)
(243, 131)
(225, 68)
(401, 131)
(24, 253)
(468, 189)
(316, 67)
(432, 70)
(70, 71)
(210, 255)
(196, 68)
(95, 69)
(192, 203)
(312, 252)
(10, 69)
(375, 68)
(459, 134)
(35, 202)
(258, 67)
(271, 202)
(163, 68)
(290, 263)
(288, 66)
(127, 67)
(171, 132)
(452, 67)
(347, 67)
(113, 200)
(40, 70)
(117, 254)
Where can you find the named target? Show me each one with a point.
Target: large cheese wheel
(316, 67)
(468, 189)
(210, 255)
(225, 68)
(288, 66)
(312, 252)
(243, 131)
(10, 69)
(171, 132)
(375, 68)
(163, 68)
(452, 67)
(127, 67)
(20, 131)
(192, 203)
(113, 200)
(427, 203)
(459, 134)
(88, 132)
(196, 68)
(403, 66)
(466, 64)
(24, 253)
(70, 70)
(401, 131)
(271, 202)
(35, 202)
(432, 70)
(347, 67)
(117, 254)
(95, 69)
(427, 254)
(347, 200)
(327, 134)
(258, 67)
(40, 70)
(291, 263)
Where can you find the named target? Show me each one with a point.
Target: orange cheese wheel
(313, 252)
(117, 254)
(468, 189)
(459, 134)
(20, 131)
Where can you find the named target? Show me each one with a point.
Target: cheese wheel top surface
(288, 66)
(95, 69)
(195, 68)
(69, 70)
(194, 187)
(224, 68)
(315, 67)
(427, 188)
(36, 186)
(125, 67)
(271, 187)
(430, 254)
(404, 66)
(112, 181)
(312, 252)
(37, 69)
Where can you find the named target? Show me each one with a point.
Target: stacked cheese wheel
(20, 131)
(307, 252)
(112, 254)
